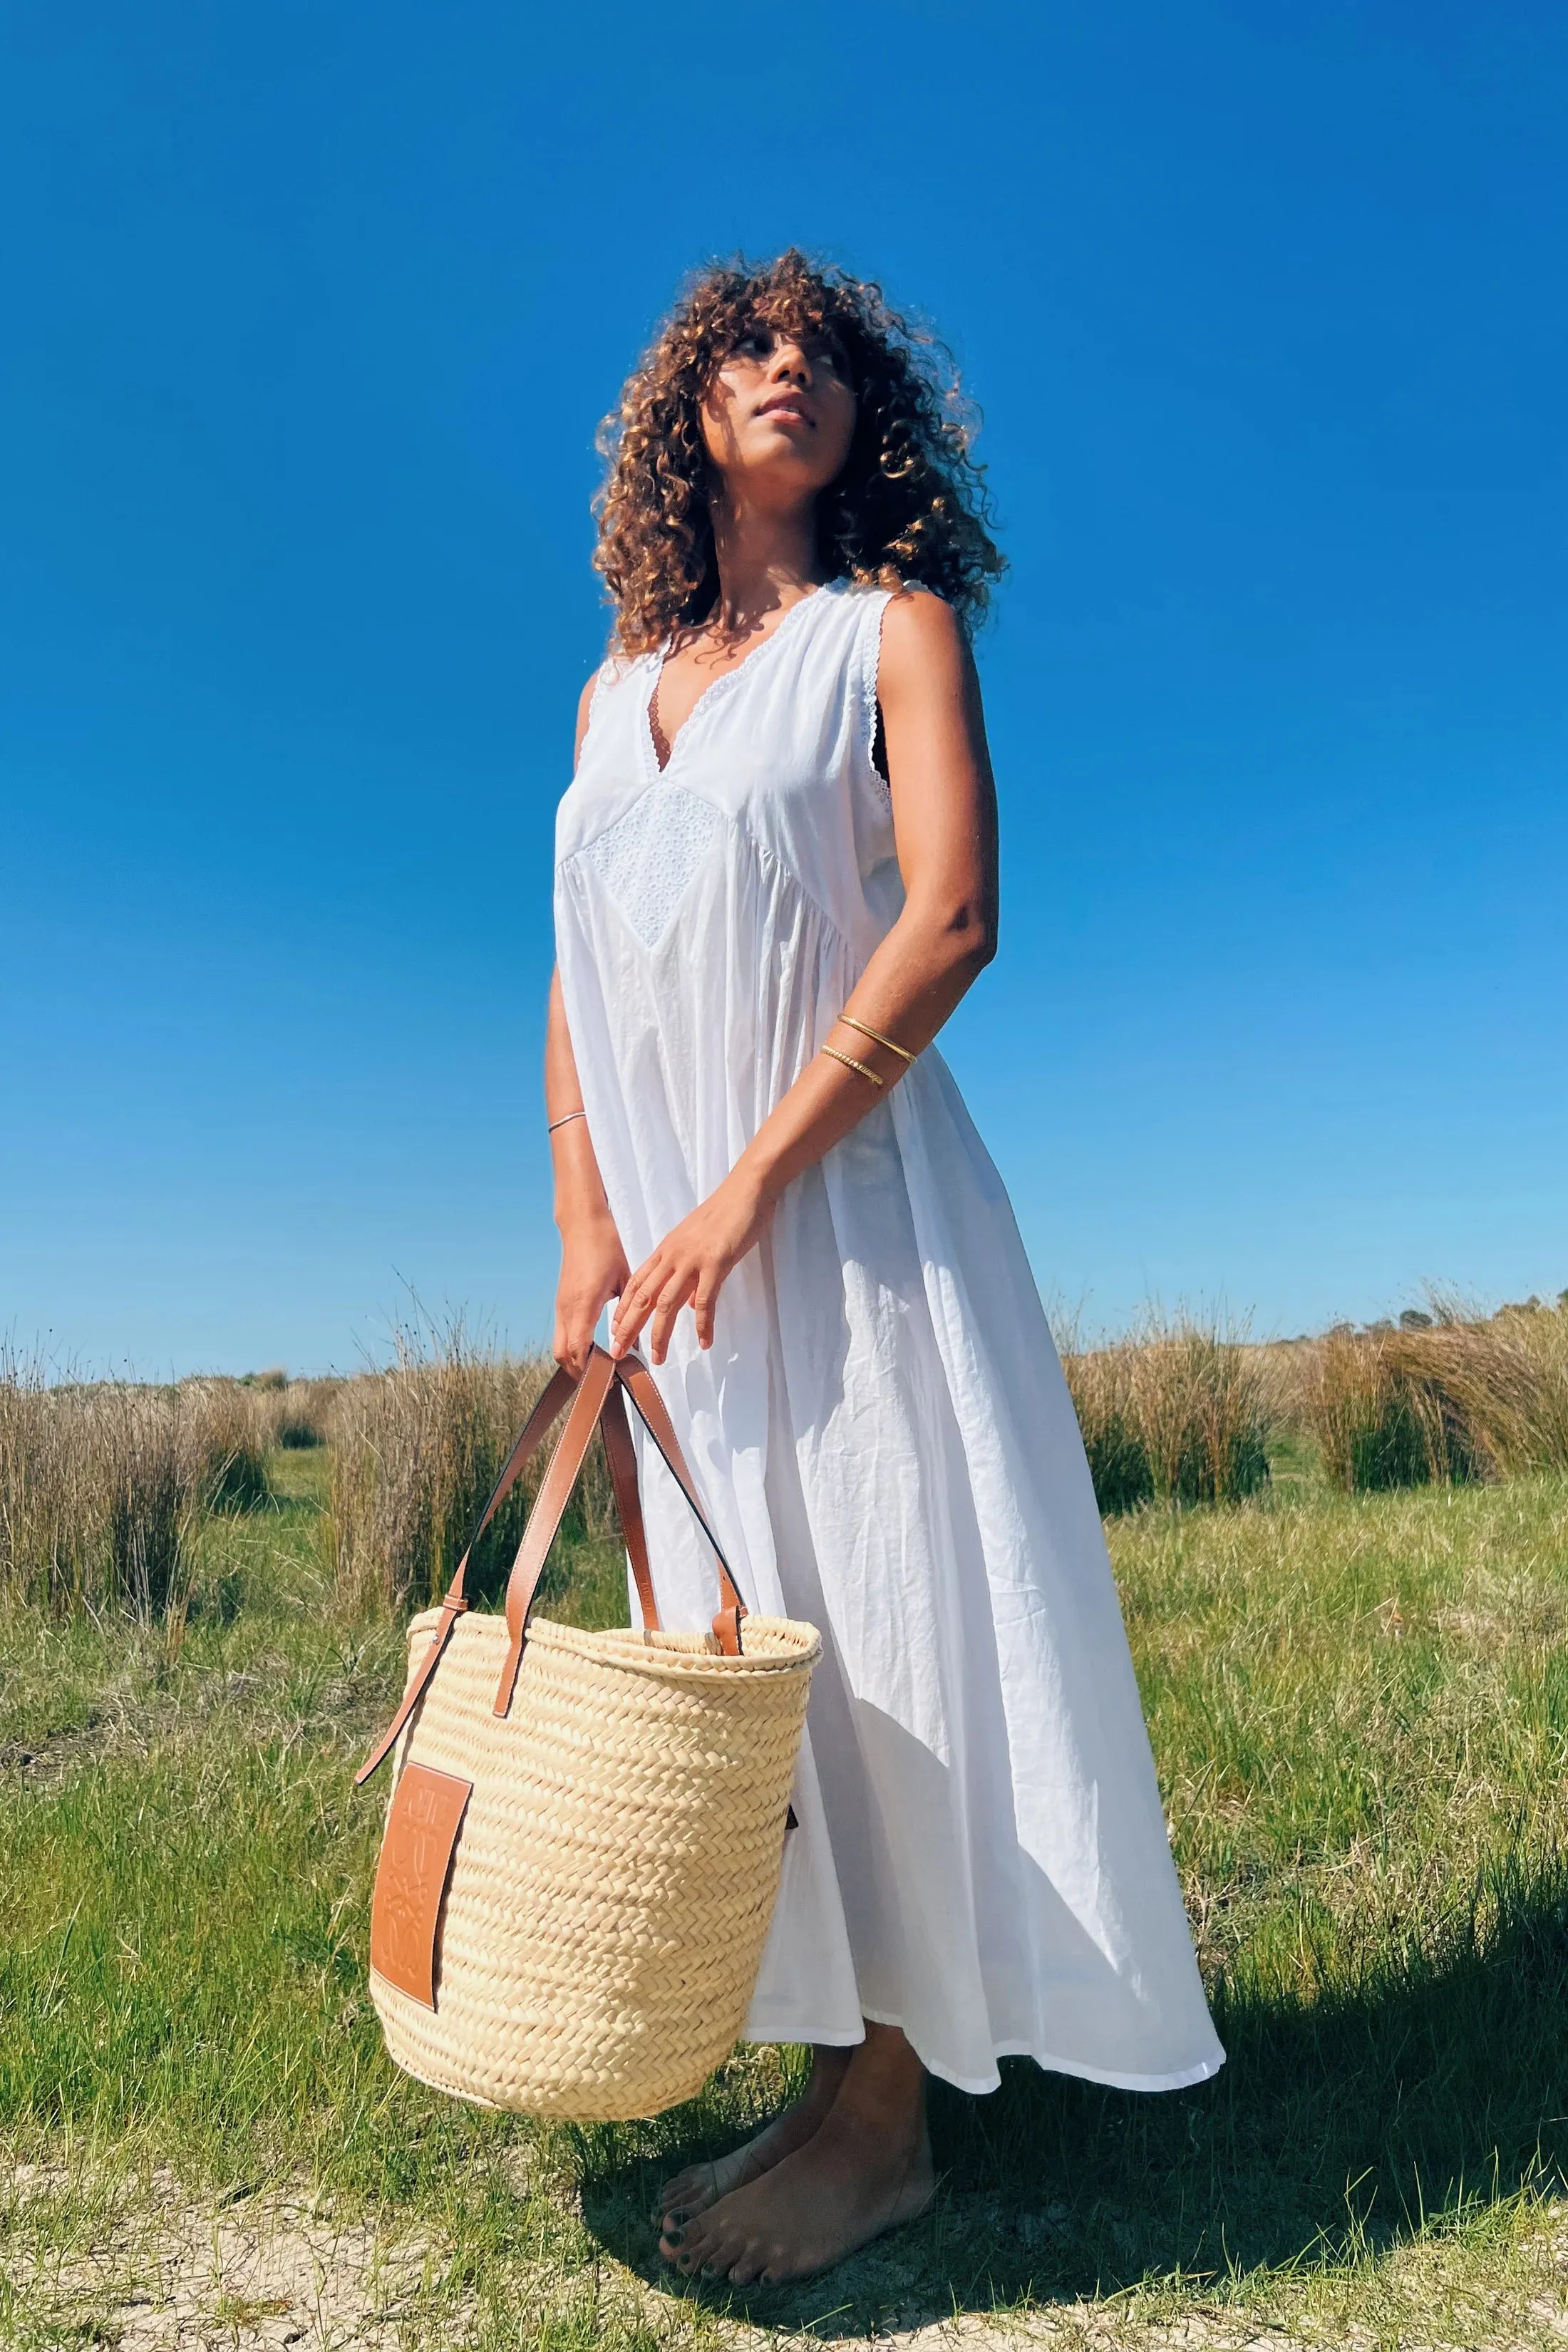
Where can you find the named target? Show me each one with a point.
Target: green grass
(1359, 1711)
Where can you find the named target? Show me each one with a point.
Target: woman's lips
(787, 405)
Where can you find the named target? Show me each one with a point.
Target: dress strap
(868, 659)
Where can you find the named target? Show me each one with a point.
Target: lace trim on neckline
(714, 693)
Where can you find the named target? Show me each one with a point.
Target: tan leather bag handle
(558, 1389)
(633, 1375)
(599, 1396)
(596, 1398)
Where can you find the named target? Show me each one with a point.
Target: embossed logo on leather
(416, 1851)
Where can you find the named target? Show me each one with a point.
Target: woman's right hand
(594, 1270)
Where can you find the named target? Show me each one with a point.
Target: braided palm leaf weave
(617, 1866)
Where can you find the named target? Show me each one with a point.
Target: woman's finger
(629, 1309)
(573, 1339)
(631, 1318)
(708, 1284)
(632, 1308)
(567, 1345)
(671, 1299)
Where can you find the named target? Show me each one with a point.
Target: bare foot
(701, 2185)
(867, 2169)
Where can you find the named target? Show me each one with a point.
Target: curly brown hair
(908, 508)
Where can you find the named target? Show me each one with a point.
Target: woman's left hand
(689, 1268)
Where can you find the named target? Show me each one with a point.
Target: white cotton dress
(881, 1429)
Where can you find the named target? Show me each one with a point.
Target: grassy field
(1359, 1706)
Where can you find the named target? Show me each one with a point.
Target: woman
(777, 876)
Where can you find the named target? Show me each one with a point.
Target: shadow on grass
(1435, 2081)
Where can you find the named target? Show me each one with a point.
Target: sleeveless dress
(881, 1429)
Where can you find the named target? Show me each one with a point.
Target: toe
(687, 2247)
(687, 2193)
(717, 2253)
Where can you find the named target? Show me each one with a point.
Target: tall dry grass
(226, 1431)
(1449, 1398)
(305, 1413)
(1180, 1410)
(417, 1450)
(1506, 1379)
(1380, 1416)
(102, 1485)
(294, 1414)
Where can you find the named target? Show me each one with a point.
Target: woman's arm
(945, 826)
(593, 1262)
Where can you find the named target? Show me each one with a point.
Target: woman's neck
(766, 559)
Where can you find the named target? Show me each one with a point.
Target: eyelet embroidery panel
(648, 859)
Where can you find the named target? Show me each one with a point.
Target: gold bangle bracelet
(876, 1036)
(851, 1064)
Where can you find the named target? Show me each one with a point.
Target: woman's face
(779, 415)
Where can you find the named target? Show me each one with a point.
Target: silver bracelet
(561, 1121)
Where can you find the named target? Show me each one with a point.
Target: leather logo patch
(411, 1880)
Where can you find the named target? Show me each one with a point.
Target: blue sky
(310, 314)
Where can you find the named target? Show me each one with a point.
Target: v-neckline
(713, 690)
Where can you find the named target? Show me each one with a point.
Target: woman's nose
(791, 364)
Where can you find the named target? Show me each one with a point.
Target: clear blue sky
(309, 314)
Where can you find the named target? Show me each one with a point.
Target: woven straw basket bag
(583, 1843)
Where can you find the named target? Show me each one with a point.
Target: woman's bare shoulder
(922, 640)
